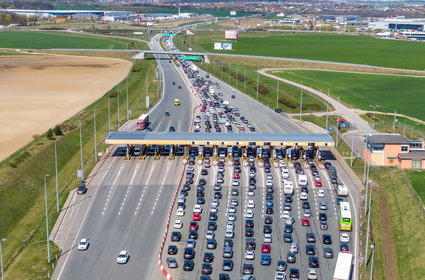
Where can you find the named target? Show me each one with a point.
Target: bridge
(142, 54)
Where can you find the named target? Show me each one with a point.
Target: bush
(58, 130)
(240, 77)
(113, 94)
(288, 103)
(49, 134)
(262, 89)
(312, 107)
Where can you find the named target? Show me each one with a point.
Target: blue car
(266, 259)
(269, 203)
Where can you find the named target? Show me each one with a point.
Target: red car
(305, 221)
(265, 248)
(236, 176)
(193, 226)
(202, 110)
(196, 217)
(318, 183)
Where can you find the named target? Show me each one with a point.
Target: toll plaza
(217, 146)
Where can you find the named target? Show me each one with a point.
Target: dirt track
(38, 92)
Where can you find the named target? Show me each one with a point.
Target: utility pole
(230, 66)
(352, 148)
(56, 179)
(244, 81)
(374, 113)
(337, 126)
(1, 257)
(277, 95)
(147, 91)
(214, 65)
(366, 187)
(327, 113)
(109, 115)
(47, 218)
(368, 223)
(126, 94)
(372, 246)
(257, 82)
(94, 133)
(395, 119)
(118, 110)
(301, 103)
(81, 154)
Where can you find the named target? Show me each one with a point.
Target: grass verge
(21, 175)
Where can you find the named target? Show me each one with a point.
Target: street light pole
(327, 113)
(126, 96)
(56, 179)
(257, 82)
(337, 127)
(214, 65)
(244, 81)
(118, 111)
(109, 115)
(301, 103)
(230, 66)
(94, 132)
(394, 120)
(277, 95)
(352, 148)
(372, 246)
(81, 153)
(368, 222)
(1, 257)
(374, 113)
(47, 218)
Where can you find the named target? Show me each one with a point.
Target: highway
(127, 202)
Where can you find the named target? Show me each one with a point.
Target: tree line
(8, 18)
(31, 5)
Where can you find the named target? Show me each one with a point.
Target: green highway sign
(169, 35)
(190, 57)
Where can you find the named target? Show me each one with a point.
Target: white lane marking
(112, 186)
(162, 185)
(84, 218)
(136, 170)
(147, 183)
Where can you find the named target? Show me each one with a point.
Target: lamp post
(1, 257)
(81, 153)
(337, 126)
(327, 113)
(372, 246)
(94, 132)
(394, 120)
(126, 96)
(56, 179)
(301, 103)
(374, 113)
(257, 82)
(352, 148)
(47, 218)
(109, 115)
(277, 95)
(368, 221)
(244, 81)
(411, 131)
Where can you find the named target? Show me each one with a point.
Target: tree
(58, 130)
(49, 134)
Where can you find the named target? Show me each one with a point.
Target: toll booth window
(267, 143)
(252, 143)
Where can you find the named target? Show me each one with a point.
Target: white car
(231, 217)
(290, 220)
(197, 208)
(232, 209)
(180, 212)
(269, 176)
(251, 192)
(344, 237)
(303, 196)
(214, 202)
(214, 209)
(230, 224)
(178, 224)
(249, 255)
(280, 275)
(321, 193)
(235, 182)
(249, 213)
(285, 214)
(250, 204)
(83, 245)
(269, 183)
(210, 234)
(311, 274)
(267, 238)
(123, 257)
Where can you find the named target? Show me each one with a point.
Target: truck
(176, 102)
(288, 187)
(342, 189)
(194, 67)
(142, 122)
(302, 180)
(343, 267)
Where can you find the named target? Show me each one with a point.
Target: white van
(302, 180)
(288, 187)
(342, 189)
(285, 173)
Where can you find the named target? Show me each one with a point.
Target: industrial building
(398, 25)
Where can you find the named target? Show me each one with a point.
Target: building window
(417, 163)
(416, 145)
(404, 148)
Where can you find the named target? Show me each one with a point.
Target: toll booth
(230, 152)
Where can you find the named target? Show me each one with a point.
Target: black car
(306, 205)
(213, 216)
(343, 246)
(269, 210)
(172, 250)
(204, 172)
(310, 249)
(294, 273)
(313, 262)
(235, 192)
(223, 276)
(176, 236)
(268, 220)
(323, 217)
(227, 265)
(167, 114)
(81, 189)
(206, 268)
(287, 206)
(200, 200)
(287, 238)
(249, 223)
(189, 253)
(267, 229)
(327, 165)
(249, 232)
(288, 198)
(327, 239)
(202, 182)
(186, 187)
(211, 243)
(328, 253)
(281, 266)
(212, 226)
(193, 234)
(172, 129)
(288, 228)
(228, 243)
(217, 195)
(291, 258)
(188, 265)
(208, 257)
(310, 237)
(247, 269)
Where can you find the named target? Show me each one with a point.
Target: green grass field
(327, 47)
(418, 182)
(40, 40)
(361, 90)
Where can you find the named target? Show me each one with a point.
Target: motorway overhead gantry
(217, 139)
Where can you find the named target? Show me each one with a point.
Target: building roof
(386, 139)
(200, 138)
(412, 155)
